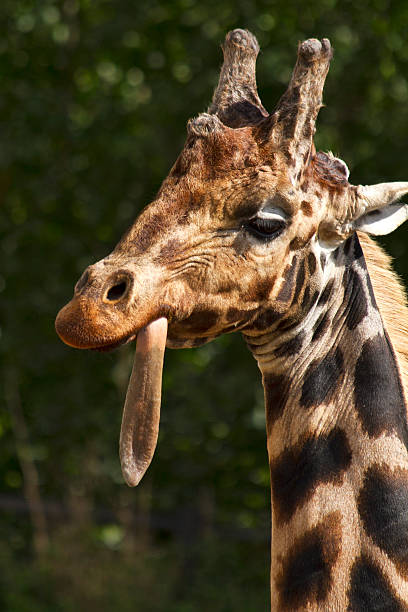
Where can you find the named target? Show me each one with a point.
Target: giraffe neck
(337, 445)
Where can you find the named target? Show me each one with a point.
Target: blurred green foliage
(94, 99)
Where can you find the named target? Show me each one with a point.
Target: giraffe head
(233, 239)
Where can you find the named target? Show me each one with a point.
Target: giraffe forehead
(210, 152)
(229, 163)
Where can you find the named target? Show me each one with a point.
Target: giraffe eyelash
(265, 228)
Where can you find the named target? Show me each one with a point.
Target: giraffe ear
(377, 212)
(373, 209)
(382, 221)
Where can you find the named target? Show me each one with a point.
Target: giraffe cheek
(200, 322)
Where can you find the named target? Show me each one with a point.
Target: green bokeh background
(94, 98)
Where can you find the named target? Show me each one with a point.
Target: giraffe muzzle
(79, 326)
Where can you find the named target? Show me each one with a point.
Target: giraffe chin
(141, 413)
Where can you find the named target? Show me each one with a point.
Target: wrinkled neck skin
(337, 435)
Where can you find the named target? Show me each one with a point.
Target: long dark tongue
(141, 414)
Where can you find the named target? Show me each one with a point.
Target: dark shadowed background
(94, 98)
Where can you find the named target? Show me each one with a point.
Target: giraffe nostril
(116, 292)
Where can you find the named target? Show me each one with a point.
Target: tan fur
(391, 300)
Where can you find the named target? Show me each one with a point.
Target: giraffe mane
(388, 289)
(391, 300)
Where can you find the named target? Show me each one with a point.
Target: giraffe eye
(268, 229)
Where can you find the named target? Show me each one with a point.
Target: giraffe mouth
(107, 348)
(141, 412)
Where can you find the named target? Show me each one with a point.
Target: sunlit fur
(391, 299)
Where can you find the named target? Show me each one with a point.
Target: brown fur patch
(383, 507)
(300, 281)
(311, 233)
(238, 315)
(311, 263)
(260, 291)
(266, 318)
(168, 251)
(368, 584)
(306, 574)
(296, 243)
(305, 186)
(306, 208)
(226, 285)
(297, 471)
(286, 289)
(391, 301)
(201, 321)
(276, 387)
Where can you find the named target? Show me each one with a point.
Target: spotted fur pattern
(337, 442)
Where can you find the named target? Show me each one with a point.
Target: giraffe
(254, 231)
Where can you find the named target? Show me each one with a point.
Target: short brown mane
(391, 299)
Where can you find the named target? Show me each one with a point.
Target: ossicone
(236, 101)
